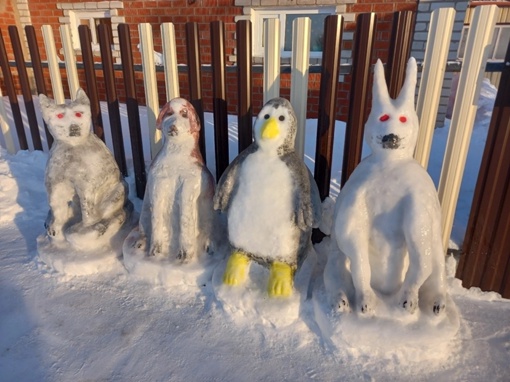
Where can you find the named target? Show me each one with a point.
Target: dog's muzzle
(390, 141)
(173, 131)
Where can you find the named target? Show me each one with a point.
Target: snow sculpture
(177, 217)
(86, 192)
(387, 220)
(271, 201)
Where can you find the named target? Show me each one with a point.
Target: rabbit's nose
(390, 141)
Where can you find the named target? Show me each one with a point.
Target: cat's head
(392, 126)
(178, 120)
(69, 123)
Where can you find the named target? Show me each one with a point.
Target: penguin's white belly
(261, 217)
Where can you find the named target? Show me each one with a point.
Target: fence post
(132, 108)
(301, 30)
(11, 93)
(432, 75)
(170, 60)
(90, 79)
(150, 85)
(53, 59)
(485, 259)
(25, 87)
(464, 110)
(219, 97)
(271, 83)
(399, 51)
(359, 94)
(195, 78)
(70, 59)
(33, 47)
(244, 83)
(327, 102)
(112, 99)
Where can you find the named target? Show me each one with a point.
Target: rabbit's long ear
(408, 91)
(380, 93)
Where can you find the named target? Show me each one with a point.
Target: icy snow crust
(111, 326)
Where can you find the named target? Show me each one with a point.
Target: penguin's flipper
(316, 201)
(229, 181)
(280, 280)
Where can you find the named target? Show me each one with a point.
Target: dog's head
(178, 120)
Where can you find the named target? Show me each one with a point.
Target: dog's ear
(167, 109)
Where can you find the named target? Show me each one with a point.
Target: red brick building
(133, 12)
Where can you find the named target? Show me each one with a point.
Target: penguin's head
(178, 120)
(275, 126)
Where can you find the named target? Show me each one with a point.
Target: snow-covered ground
(111, 326)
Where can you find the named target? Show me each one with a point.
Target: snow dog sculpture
(86, 192)
(387, 221)
(177, 212)
(271, 202)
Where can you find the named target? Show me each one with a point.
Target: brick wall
(204, 11)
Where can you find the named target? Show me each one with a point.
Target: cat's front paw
(367, 302)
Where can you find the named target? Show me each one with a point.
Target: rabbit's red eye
(402, 119)
(77, 114)
(60, 115)
(384, 117)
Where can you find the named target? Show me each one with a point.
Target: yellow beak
(270, 129)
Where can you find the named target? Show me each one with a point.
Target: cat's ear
(380, 95)
(45, 102)
(81, 97)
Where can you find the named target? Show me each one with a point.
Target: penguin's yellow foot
(280, 280)
(235, 272)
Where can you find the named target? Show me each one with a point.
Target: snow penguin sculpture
(387, 216)
(86, 193)
(177, 212)
(271, 201)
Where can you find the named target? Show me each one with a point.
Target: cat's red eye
(402, 119)
(78, 114)
(384, 117)
(60, 115)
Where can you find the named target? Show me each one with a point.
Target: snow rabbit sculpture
(86, 192)
(177, 212)
(387, 221)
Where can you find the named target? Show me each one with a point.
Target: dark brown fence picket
(399, 50)
(111, 98)
(219, 96)
(484, 260)
(195, 77)
(133, 112)
(35, 57)
(25, 87)
(11, 93)
(333, 27)
(358, 96)
(91, 80)
(244, 84)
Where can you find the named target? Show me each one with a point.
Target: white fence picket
(471, 75)
(301, 31)
(150, 85)
(53, 60)
(70, 59)
(170, 59)
(271, 84)
(432, 75)
(6, 131)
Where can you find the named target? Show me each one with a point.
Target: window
(287, 16)
(92, 20)
(499, 44)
